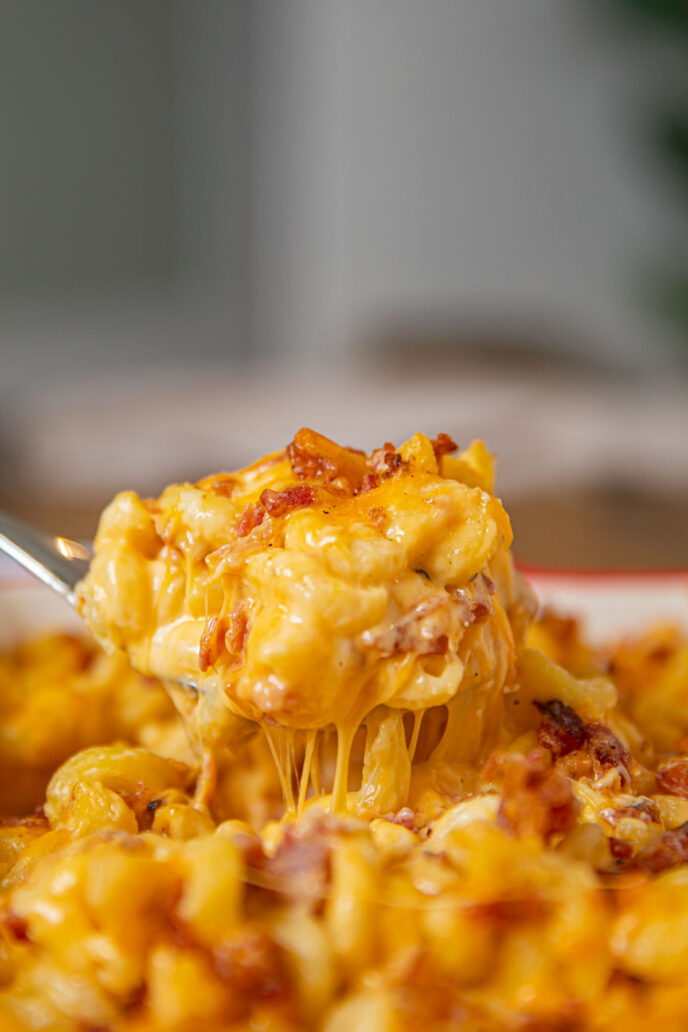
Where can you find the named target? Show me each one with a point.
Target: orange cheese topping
(320, 589)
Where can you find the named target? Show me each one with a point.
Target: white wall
(454, 157)
(338, 165)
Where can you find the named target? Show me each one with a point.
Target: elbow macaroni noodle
(399, 804)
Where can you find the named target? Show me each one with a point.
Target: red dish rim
(564, 573)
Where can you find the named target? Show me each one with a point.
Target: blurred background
(223, 219)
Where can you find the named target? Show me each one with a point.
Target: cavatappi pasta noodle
(59, 694)
(317, 592)
(509, 856)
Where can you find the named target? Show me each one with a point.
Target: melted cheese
(377, 651)
(320, 589)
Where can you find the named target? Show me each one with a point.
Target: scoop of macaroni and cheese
(316, 588)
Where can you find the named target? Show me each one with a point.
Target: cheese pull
(307, 591)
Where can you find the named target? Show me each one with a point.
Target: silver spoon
(57, 561)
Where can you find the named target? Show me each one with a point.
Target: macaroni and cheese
(401, 803)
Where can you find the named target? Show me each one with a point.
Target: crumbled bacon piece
(480, 612)
(378, 459)
(237, 629)
(571, 1021)
(553, 737)
(666, 851)
(672, 777)
(251, 517)
(394, 462)
(509, 911)
(386, 460)
(277, 503)
(222, 484)
(315, 457)
(404, 817)
(620, 850)
(428, 997)
(562, 731)
(537, 799)
(377, 516)
(211, 642)
(443, 445)
(426, 629)
(608, 753)
(17, 927)
(645, 810)
(301, 865)
(369, 482)
(254, 964)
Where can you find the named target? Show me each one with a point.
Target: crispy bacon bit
(405, 817)
(443, 445)
(672, 777)
(315, 457)
(428, 997)
(537, 799)
(378, 458)
(301, 865)
(426, 629)
(251, 517)
(254, 964)
(277, 503)
(509, 911)
(477, 601)
(553, 737)
(377, 516)
(645, 810)
(251, 847)
(223, 484)
(480, 612)
(571, 1021)
(621, 851)
(17, 927)
(369, 482)
(394, 462)
(608, 753)
(237, 629)
(666, 851)
(562, 731)
(386, 460)
(212, 641)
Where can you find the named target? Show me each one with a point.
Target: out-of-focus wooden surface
(592, 466)
(587, 529)
(601, 530)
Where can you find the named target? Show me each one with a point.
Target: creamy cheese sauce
(322, 590)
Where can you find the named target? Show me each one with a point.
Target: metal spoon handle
(57, 561)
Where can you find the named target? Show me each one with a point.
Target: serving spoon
(57, 561)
